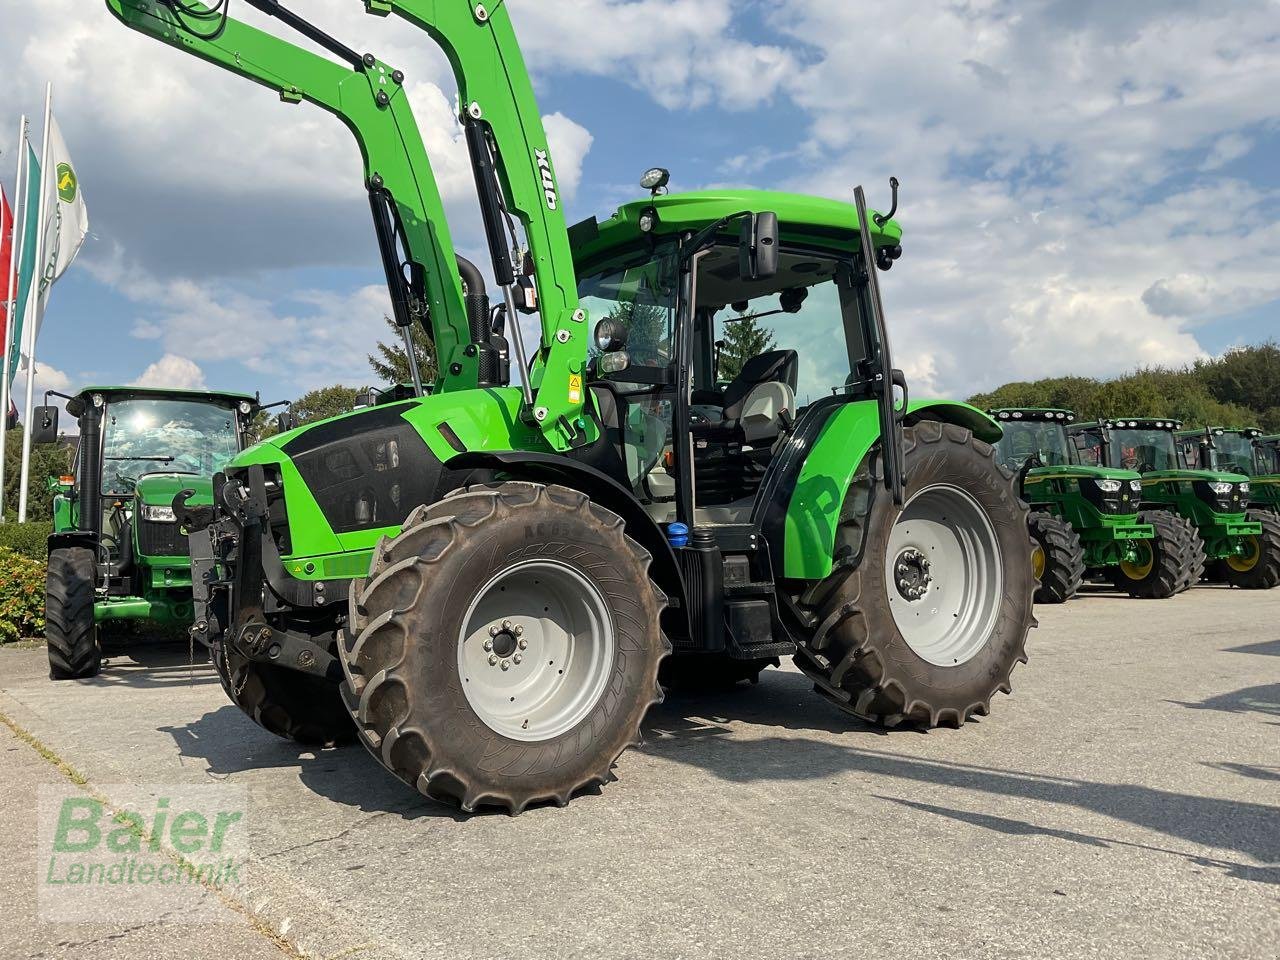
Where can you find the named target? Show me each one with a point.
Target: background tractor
(1215, 503)
(1244, 451)
(484, 582)
(116, 554)
(1085, 520)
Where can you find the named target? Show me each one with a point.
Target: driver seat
(757, 398)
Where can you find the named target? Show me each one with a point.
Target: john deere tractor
(1085, 520)
(483, 583)
(1215, 503)
(117, 554)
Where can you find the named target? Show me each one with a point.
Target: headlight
(245, 408)
(158, 514)
(1221, 488)
(1108, 486)
(1135, 486)
(1244, 488)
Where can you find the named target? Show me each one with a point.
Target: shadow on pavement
(1248, 770)
(1268, 648)
(696, 732)
(1261, 699)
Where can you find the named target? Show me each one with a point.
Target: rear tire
(1260, 570)
(72, 635)
(296, 706)
(858, 655)
(1165, 563)
(434, 689)
(1062, 565)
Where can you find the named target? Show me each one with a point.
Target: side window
(1088, 449)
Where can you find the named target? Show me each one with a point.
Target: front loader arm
(369, 98)
(496, 93)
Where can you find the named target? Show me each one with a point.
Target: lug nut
(506, 664)
(517, 659)
(524, 644)
(519, 631)
(494, 631)
(506, 624)
(493, 660)
(488, 645)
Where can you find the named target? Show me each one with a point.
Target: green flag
(27, 265)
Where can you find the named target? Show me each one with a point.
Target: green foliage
(325, 403)
(1239, 389)
(47, 460)
(744, 338)
(21, 596)
(28, 539)
(393, 367)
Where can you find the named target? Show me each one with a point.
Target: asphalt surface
(1124, 802)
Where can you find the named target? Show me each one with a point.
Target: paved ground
(1125, 802)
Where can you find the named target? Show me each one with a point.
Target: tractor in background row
(483, 583)
(1214, 502)
(117, 554)
(1086, 520)
(1238, 450)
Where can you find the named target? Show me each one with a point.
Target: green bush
(21, 597)
(29, 539)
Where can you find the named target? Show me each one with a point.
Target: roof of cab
(800, 218)
(169, 392)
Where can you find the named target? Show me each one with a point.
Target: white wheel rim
(947, 600)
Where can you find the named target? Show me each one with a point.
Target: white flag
(66, 218)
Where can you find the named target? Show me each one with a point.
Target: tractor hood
(159, 489)
(1209, 476)
(1073, 471)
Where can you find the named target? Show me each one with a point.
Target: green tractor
(1085, 520)
(116, 554)
(483, 582)
(1213, 502)
(1239, 450)
(1265, 487)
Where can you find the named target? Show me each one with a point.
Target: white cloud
(174, 373)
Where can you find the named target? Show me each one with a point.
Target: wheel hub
(913, 574)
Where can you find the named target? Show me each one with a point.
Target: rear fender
(845, 441)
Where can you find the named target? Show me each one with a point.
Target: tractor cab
(696, 346)
(137, 449)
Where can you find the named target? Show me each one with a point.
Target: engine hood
(160, 488)
(1076, 472)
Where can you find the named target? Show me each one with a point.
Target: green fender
(813, 512)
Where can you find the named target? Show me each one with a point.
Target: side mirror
(44, 425)
(286, 422)
(758, 247)
(365, 400)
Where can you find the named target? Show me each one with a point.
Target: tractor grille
(161, 540)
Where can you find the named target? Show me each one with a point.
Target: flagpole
(11, 305)
(33, 300)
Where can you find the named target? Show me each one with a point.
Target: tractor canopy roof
(212, 395)
(1132, 423)
(1249, 433)
(1032, 413)
(801, 219)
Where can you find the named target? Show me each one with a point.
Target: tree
(324, 403)
(744, 337)
(47, 460)
(392, 363)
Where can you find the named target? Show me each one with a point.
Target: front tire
(505, 647)
(933, 643)
(1259, 569)
(1058, 559)
(72, 635)
(296, 706)
(1165, 565)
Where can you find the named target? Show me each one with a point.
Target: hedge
(29, 539)
(21, 596)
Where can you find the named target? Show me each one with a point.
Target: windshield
(1235, 454)
(143, 435)
(1146, 451)
(1047, 442)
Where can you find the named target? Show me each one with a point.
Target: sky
(1086, 186)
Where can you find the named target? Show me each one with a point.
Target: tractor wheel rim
(950, 620)
(536, 650)
(1038, 562)
(1245, 562)
(1141, 568)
